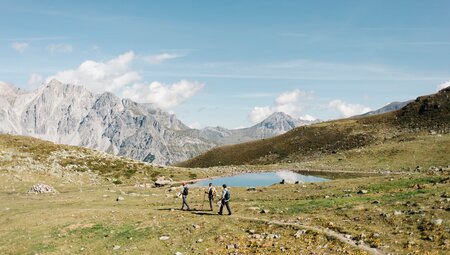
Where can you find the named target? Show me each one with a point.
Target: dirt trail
(319, 230)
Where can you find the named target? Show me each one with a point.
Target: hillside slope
(427, 116)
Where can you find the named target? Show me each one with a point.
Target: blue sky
(231, 63)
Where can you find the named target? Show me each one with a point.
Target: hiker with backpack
(211, 194)
(225, 200)
(184, 194)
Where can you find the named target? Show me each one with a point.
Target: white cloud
(20, 47)
(102, 76)
(308, 117)
(60, 48)
(159, 58)
(35, 80)
(258, 114)
(164, 96)
(117, 76)
(444, 85)
(347, 109)
(289, 102)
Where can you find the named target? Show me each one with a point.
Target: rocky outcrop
(70, 114)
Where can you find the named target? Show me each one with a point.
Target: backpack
(227, 195)
(185, 191)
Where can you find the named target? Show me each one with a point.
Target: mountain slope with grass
(423, 125)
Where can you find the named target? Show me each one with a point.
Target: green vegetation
(418, 134)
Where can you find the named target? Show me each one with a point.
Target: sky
(233, 63)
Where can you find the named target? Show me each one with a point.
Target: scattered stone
(363, 191)
(41, 188)
(161, 181)
(231, 246)
(265, 211)
(120, 199)
(299, 233)
(172, 189)
(436, 222)
(179, 253)
(397, 213)
(348, 195)
(251, 189)
(272, 236)
(116, 247)
(200, 241)
(256, 236)
(376, 202)
(195, 226)
(252, 231)
(164, 238)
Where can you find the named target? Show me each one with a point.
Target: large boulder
(41, 188)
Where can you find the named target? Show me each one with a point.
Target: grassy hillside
(37, 160)
(423, 125)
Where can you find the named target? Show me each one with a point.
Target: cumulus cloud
(159, 58)
(20, 47)
(444, 85)
(164, 96)
(289, 102)
(102, 76)
(60, 48)
(307, 117)
(347, 109)
(117, 76)
(35, 80)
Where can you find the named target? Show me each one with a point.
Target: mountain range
(417, 132)
(71, 114)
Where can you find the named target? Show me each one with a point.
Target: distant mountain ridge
(70, 114)
(388, 108)
(427, 116)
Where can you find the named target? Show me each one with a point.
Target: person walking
(184, 194)
(211, 194)
(225, 200)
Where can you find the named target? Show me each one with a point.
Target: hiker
(211, 194)
(184, 194)
(225, 200)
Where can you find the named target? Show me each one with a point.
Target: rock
(363, 191)
(164, 238)
(252, 231)
(231, 246)
(256, 236)
(348, 195)
(179, 253)
(41, 188)
(264, 211)
(200, 241)
(172, 189)
(397, 213)
(436, 222)
(162, 182)
(120, 199)
(116, 247)
(195, 226)
(376, 202)
(299, 233)
(251, 189)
